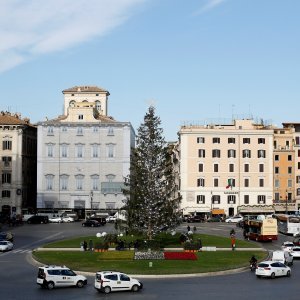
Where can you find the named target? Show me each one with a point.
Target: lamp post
(286, 201)
(91, 195)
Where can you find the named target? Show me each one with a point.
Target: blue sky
(194, 60)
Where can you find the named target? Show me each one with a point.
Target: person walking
(91, 246)
(188, 228)
(84, 245)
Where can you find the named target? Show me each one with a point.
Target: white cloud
(34, 27)
(210, 4)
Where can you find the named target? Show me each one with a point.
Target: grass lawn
(92, 262)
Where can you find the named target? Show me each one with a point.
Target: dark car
(195, 219)
(91, 223)
(38, 220)
(6, 236)
(101, 220)
(214, 219)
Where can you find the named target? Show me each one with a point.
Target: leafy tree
(152, 201)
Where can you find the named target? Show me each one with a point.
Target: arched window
(98, 105)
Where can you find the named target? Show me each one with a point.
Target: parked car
(272, 269)
(234, 219)
(6, 246)
(295, 252)
(111, 281)
(6, 236)
(38, 220)
(214, 219)
(287, 246)
(101, 220)
(91, 223)
(111, 219)
(55, 220)
(57, 276)
(284, 257)
(195, 219)
(67, 219)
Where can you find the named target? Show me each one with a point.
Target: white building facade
(226, 168)
(83, 155)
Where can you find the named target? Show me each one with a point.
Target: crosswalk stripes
(22, 251)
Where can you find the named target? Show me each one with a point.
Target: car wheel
(258, 276)
(288, 274)
(135, 288)
(92, 225)
(273, 275)
(80, 284)
(106, 290)
(50, 285)
(83, 225)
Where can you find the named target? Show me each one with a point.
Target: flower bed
(180, 256)
(149, 255)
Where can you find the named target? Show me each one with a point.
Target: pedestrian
(194, 229)
(91, 246)
(188, 228)
(232, 243)
(232, 233)
(199, 245)
(84, 245)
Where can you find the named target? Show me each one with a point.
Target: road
(18, 275)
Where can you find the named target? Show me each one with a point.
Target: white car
(59, 276)
(287, 246)
(67, 219)
(234, 219)
(111, 281)
(111, 219)
(6, 246)
(296, 252)
(55, 220)
(272, 269)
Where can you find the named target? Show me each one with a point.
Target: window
(246, 199)
(79, 150)
(231, 199)
(64, 150)
(95, 150)
(261, 182)
(277, 183)
(5, 194)
(290, 169)
(231, 167)
(124, 277)
(276, 157)
(276, 170)
(6, 145)
(112, 277)
(95, 129)
(200, 199)
(50, 148)
(49, 182)
(290, 183)
(98, 105)
(216, 168)
(231, 153)
(298, 165)
(95, 182)
(246, 182)
(289, 157)
(246, 168)
(201, 182)
(110, 150)
(261, 153)
(216, 182)
(261, 141)
(110, 131)
(200, 167)
(79, 131)
(246, 153)
(231, 182)
(72, 103)
(64, 129)
(216, 140)
(216, 153)
(80, 117)
(231, 140)
(261, 199)
(6, 177)
(64, 182)
(277, 196)
(246, 140)
(79, 182)
(261, 168)
(216, 199)
(50, 130)
(200, 140)
(201, 153)
(297, 140)
(6, 161)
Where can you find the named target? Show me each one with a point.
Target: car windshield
(3, 243)
(263, 265)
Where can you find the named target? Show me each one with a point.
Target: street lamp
(286, 201)
(91, 195)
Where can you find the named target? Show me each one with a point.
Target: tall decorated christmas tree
(152, 199)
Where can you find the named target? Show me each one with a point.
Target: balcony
(112, 187)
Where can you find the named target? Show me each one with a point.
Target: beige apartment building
(226, 168)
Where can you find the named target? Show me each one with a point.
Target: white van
(284, 257)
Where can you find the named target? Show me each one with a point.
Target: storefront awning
(218, 211)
